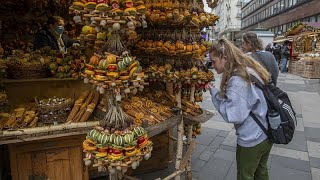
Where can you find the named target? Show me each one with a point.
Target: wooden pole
(189, 133)
(180, 134)
(169, 89)
(189, 139)
(192, 91)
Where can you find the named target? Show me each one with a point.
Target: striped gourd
(128, 138)
(91, 133)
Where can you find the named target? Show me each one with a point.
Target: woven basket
(54, 113)
(26, 71)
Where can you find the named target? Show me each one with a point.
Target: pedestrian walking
(235, 100)
(268, 48)
(285, 54)
(253, 47)
(276, 51)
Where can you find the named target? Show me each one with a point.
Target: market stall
(305, 49)
(111, 104)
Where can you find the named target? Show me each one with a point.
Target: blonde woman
(235, 100)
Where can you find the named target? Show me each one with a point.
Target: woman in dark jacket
(253, 47)
(52, 36)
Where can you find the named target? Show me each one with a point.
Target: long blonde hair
(236, 63)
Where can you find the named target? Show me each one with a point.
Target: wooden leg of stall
(169, 89)
(189, 139)
(189, 134)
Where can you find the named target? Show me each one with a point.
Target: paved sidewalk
(214, 158)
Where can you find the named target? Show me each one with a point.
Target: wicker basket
(26, 71)
(51, 113)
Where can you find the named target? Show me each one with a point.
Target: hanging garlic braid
(236, 64)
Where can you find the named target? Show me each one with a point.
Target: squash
(167, 44)
(141, 43)
(179, 45)
(94, 60)
(154, 44)
(111, 59)
(159, 44)
(195, 46)
(172, 47)
(149, 44)
(189, 48)
(203, 48)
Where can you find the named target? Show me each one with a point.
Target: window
(294, 2)
(275, 8)
(284, 28)
(281, 5)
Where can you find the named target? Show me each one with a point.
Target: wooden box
(55, 159)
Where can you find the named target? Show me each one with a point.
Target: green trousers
(252, 161)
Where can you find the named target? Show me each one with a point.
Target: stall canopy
(282, 39)
(303, 27)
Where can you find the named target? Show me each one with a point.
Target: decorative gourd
(189, 48)
(149, 44)
(179, 45)
(195, 46)
(167, 44)
(172, 47)
(159, 44)
(203, 48)
(94, 60)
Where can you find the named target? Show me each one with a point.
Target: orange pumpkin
(154, 44)
(167, 44)
(145, 44)
(159, 43)
(172, 47)
(189, 48)
(163, 17)
(203, 48)
(141, 43)
(149, 44)
(179, 45)
(195, 46)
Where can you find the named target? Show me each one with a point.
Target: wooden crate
(56, 159)
(306, 68)
(311, 69)
(292, 68)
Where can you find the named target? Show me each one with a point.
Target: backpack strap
(257, 82)
(254, 117)
(261, 86)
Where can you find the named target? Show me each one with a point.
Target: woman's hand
(209, 86)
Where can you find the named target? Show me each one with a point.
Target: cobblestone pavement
(214, 157)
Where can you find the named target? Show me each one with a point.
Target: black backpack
(281, 117)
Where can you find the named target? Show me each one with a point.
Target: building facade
(229, 23)
(278, 15)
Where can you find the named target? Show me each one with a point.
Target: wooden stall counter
(55, 152)
(57, 158)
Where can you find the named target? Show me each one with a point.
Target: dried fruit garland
(117, 143)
